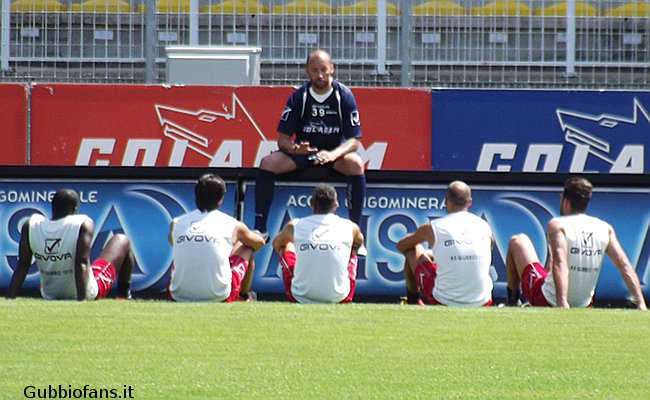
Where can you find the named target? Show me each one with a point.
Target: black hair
(64, 202)
(323, 198)
(578, 191)
(208, 192)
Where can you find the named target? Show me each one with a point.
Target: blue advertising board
(540, 131)
(393, 210)
(141, 209)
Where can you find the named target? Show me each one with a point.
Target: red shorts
(425, 275)
(238, 266)
(104, 273)
(532, 279)
(288, 262)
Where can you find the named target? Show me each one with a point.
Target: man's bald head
(459, 196)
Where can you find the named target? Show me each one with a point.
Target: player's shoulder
(296, 97)
(342, 88)
(599, 222)
(36, 218)
(78, 219)
(297, 92)
(187, 215)
(555, 222)
(578, 219)
(220, 215)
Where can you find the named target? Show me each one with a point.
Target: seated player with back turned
(577, 245)
(61, 247)
(456, 272)
(318, 254)
(212, 251)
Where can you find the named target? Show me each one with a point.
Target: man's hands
(303, 148)
(322, 157)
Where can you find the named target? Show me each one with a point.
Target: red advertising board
(220, 126)
(13, 117)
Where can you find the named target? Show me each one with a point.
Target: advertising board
(207, 126)
(540, 131)
(13, 117)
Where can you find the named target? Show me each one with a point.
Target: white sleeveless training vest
(54, 245)
(463, 254)
(587, 240)
(201, 252)
(323, 247)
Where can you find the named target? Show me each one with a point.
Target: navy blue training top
(324, 125)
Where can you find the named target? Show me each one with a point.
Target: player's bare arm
(82, 260)
(284, 237)
(357, 238)
(22, 267)
(248, 237)
(549, 259)
(559, 251)
(170, 238)
(619, 258)
(424, 233)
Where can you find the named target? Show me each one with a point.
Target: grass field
(276, 350)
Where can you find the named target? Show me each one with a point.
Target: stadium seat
(303, 7)
(236, 7)
(439, 7)
(559, 10)
(630, 10)
(169, 6)
(102, 6)
(502, 8)
(37, 5)
(366, 7)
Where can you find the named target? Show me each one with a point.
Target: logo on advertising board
(142, 211)
(528, 131)
(601, 136)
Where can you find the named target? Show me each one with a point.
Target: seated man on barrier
(318, 254)
(212, 251)
(456, 272)
(320, 127)
(61, 247)
(577, 245)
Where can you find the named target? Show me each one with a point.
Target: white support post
(150, 41)
(4, 36)
(381, 37)
(570, 38)
(405, 44)
(194, 22)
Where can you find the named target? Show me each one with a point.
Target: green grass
(274, 350)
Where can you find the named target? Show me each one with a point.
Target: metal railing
(469, 43)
